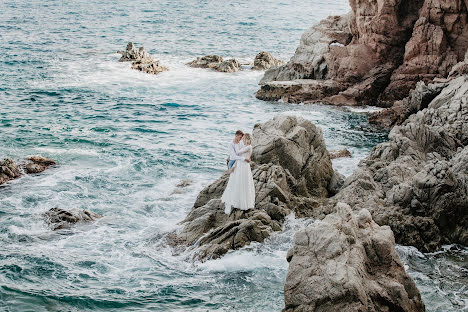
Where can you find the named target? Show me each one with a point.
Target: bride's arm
(245, 149)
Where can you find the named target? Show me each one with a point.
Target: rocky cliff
(292, 172)
(347, 262)
(374, 55)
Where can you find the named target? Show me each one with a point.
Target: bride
(240, 190)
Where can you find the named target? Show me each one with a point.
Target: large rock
(265, 60)
(141, 60)
(57, 218)
(292, 172)
(207, 61)
(347, 262)
(228, 66)
(375, 55)
(8, 170)
(417, 182)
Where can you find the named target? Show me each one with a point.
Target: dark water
(124, 139)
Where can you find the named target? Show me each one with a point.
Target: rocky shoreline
(375, 55)
(9, 170)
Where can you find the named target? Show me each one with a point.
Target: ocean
(123, 140)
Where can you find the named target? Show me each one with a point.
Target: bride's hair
(247, 139)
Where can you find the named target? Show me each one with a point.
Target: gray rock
(417, 182)
(37, 164)
(347, 262)
(291, 171)
(340, 153)
(265, 60)
(141, 60)
(207, 61)
(228, 66)
(57, 218)
(8, 170)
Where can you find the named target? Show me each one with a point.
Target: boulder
(57, 218)
(292, 171)
(265, 60)
(37, 164)
(207, 61)
(8, 170)
(375, 55)
(347, 262)
(340, 153)
(141, 60)
(228, 66)
(417, 182)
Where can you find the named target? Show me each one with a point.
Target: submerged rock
(207, 61)
(292, 172)
(57, 218)
(417, 182)
(347, 262)
(228, 66)
(265, 60)
(141, 60)
(8, 170)
(375, 55)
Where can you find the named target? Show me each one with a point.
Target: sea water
(123, 140)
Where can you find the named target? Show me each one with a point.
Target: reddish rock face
(390, 46)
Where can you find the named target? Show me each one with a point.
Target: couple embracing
(240, 190)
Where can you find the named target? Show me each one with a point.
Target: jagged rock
(8, 170)
(340, 154)
(375, 55)
(207, 61)
(228, 66)
(154, 67)
(37, 164)
(401, 110)
(291, 170)
(265, 60)
(57, 218)
(461, 68)
(347, 262)
(417, 182)
(141, 60)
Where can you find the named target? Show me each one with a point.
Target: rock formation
(292, 172)
(141, 60)
(347, 262)
(340, 154)
(417, 182)
(373, 56)
(9, 170)
(207, 61)
(228, 66)
(265, 60)
(57, 218)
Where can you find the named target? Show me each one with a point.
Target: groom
(234, 146)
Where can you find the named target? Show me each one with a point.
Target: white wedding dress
(240, 190)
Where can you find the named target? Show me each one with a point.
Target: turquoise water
(124, 140)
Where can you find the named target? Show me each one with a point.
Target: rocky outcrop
(37, 164)
(292, 172)
(417, 182)
(375, 55)
(207, 61)
(228, 66)
(461, 68)
(9, 170)
(347, 262)
(57, 218)
(265, 60)
(141, 60)
(340, 153)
